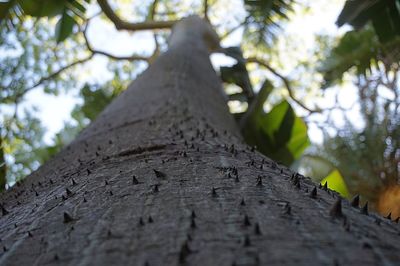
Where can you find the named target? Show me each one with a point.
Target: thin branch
(59, 71)
(285, 82)
(205, 10)
(115, 57)
(124, 25)
(153, 10)
(229, 32)
(18, 96)
(152, 15)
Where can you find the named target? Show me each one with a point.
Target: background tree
(366, 154)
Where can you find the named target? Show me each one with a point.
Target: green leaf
(235, 52)
(336, 183)
(236, 74)
(299, 140)
(278, 120)
(387, 23)
(283, 134)
(265, 17)
(385, 16)
(77, 8)
(42, 8)
(5, 7)
(356, 49)
(237, 97)
(64, 26)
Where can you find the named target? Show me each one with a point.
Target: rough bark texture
(214, 201)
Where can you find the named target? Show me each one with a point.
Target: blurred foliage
(238, 74)
(384, 15)
(30, 58)
(264, 19)
(362, 156)
(367, 152)
(282, 135)
(369, 157)
(95, 99)
(67, 12)
(23, 139)
(360, 51)
(366, 157)
(279, 134)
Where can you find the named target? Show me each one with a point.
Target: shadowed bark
(163, 177)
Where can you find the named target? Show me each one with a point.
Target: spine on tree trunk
(162, 177)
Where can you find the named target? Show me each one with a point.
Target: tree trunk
(163, 177)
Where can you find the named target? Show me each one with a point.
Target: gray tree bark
(163, 177)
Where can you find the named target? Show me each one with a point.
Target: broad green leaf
(64, 26)
(336, 183)
(237, 97)
(77, 8)
(5, 7)
(42, 8)
(387, 24)
(237, 74)
(235, 52)
(283, 136)
(299, 140)
(359, 51)
(276, 119)
(258, 109)
(385, 17)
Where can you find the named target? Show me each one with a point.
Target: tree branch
(124, 25)
(226, 34)
(205, 10)
(18, 96)
(152, 14)
(285, 82)
(94, 51)
(153, 10)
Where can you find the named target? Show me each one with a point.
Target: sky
(55, 110)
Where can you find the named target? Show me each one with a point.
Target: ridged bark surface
(100, 202)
